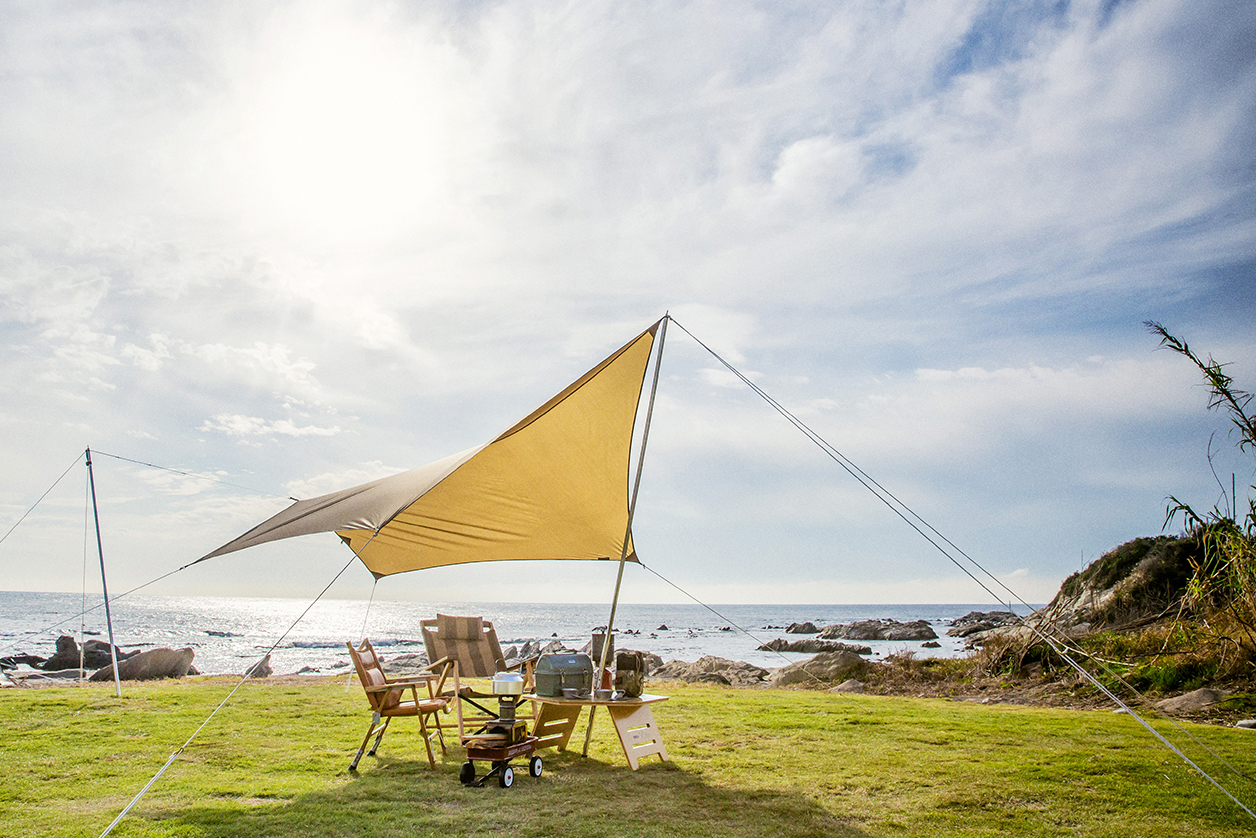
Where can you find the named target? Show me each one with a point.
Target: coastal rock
(261, 669)
(1191, 702)
(14, 661)
(734, 673)
(880, 630)
(802, 628)
(850, 685)
(66, 656)
(813, 646)
(1246, 724)
(978, 621)
(411, 663)
(95, 655)
(824, 669)
(150, 666)
(530, 649)
(931, 644)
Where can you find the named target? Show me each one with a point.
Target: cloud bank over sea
(296, 246)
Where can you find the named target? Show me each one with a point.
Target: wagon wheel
(506, 779)
(535, 766)
(466, 775)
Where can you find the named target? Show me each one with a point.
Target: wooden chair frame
(471, 724)
(387, 699)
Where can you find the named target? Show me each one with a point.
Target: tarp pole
(104, 585)
(632, 508)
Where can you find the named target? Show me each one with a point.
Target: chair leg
(379, 738)
(440, 734)
(353, 766)
(427, 741)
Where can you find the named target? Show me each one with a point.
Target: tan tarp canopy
(554, 486)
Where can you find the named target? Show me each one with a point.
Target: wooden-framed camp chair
(470, 644)
(387, 698)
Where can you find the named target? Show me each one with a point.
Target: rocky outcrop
(1136, 582)
(150, 666)
(880, 630)
(978, 621)
(14, 661)
(813, 646)
(261, 669)
(410, 663)
(712, 669)
(802, 628)
(824, 669)
(95, 655)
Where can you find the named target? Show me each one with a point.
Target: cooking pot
(507, 683)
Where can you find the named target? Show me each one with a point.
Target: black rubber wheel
(466, 774)
(506, 779)
(535, 766)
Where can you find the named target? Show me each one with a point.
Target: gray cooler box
(554, 673)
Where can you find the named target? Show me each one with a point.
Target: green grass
(743, 763)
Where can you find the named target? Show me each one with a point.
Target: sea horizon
(229, 633)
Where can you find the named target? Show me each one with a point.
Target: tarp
(553, 486)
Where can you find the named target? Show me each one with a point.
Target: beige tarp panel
(554, 486)
(368, 506)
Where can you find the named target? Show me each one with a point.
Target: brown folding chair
(470, 644)
(387, 698)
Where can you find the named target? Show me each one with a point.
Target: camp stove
(508, 687)
(506, 737)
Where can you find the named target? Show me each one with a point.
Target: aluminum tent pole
(104, 586)
(632, 508)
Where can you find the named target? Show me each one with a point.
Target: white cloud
(364, 235)
(334, 481)
(236, 425)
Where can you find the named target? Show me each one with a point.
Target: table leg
(638, 733)
(554, 724)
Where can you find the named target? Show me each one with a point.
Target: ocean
(229, 634)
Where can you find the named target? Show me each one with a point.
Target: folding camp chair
(387, 698)
(470, 644)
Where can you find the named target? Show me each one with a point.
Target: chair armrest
(441, 670)
(402, 683)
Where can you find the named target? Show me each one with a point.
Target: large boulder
(812, 645)
(261, 669)
(802, 628)
(979, 621)
(66, 656)
(880, 630)
(95, 655)
(1191, 702)
(825, 669)
(409, 663)
(150, 666)
(712, 669)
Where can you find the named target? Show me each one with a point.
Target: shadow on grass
(574, 797)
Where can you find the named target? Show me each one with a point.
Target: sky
(278, 249)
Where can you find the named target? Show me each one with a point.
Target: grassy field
(743, 763)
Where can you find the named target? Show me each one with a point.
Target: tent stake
(104, 586)
(632, 508)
